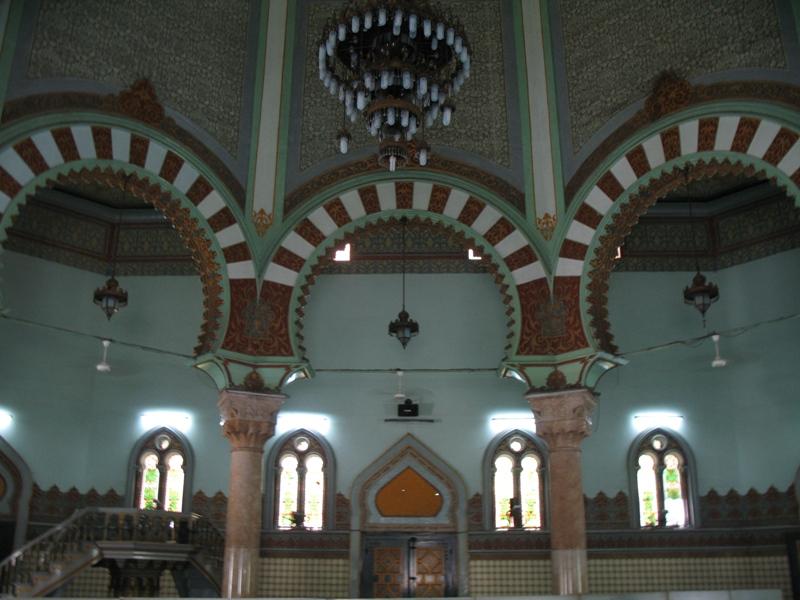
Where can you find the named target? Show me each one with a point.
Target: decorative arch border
(540, 447)
(635, 180)
(24, 481)
(409, 451)
(291, 266)
(271, 475)
(691, 482)
(188, 471)
(100, 152)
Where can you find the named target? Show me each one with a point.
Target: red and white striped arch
(741, 138)
(750, 137)
(485, 222)
(51, 148)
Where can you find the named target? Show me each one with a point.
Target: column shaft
(249, 421)
(562, 420)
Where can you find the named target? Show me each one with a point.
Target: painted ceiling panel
(614, 51)
(193, 51)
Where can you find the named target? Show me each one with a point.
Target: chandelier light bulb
(440, 31)
(426, 28)
(423, 157)
(457, 44)
(355, 24)
(381, 17)
(451, 36)
(392, 164)
(367, 21)
(412, 26)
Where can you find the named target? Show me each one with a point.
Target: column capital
(248, 417)
(563, 417)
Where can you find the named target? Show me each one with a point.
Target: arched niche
(16, 486)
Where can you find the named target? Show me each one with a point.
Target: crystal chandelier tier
(397, 64)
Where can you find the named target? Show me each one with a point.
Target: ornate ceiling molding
(138, 102)
(671, 94)
(437, 164)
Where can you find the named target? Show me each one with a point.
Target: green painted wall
(741, 420)
(75, 426)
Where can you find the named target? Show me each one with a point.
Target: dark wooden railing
(76, 541)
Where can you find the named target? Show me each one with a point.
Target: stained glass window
(174, 483)
(517, 483)
(300, 486)
(661, 482)
(503, 491)
(646, 479)
(529, 492)
(287, 497)
(315, 488)
(148, 496)
(161, 468)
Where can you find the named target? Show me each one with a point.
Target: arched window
(662, 480)
(515, 483)
(160, 470)
(301, 466)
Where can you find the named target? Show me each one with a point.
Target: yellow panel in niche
(409, 494)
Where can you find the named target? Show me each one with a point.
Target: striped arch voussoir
(56, 147)
(322, 223)
(742, 140)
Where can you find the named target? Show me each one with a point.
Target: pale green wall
(73, 425)
(741, 421)
(76, 427)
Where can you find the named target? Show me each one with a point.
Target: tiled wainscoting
(509, 577)
(615, 575)
(93, 583)
(690, 573)
(304, 578)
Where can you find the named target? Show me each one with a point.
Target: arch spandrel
(518, 269)
(113, 154)
(694, 147)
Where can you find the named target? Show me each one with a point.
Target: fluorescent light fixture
(181, 421)
(644, 421)
(289, 421)
(342, 255)
(6, 418)
(472, 256)
(517, 420)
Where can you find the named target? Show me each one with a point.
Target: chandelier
(404, 327)
(397, 64)
(700, 294)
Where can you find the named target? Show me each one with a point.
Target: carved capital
(248, 418)
(563, 418)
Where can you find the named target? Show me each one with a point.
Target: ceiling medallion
(398, 64)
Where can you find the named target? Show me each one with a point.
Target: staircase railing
(77, 538)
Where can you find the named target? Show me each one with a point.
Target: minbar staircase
(135, 545)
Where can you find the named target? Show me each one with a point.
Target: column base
(570, 571)
(240, 572)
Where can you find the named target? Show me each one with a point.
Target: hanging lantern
(404, 327)
(701, 294)
(110, 298)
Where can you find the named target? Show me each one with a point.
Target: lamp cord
(404, 220)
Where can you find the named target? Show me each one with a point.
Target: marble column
(562, 420)
(249, 421)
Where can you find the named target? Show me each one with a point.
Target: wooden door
(408, 566)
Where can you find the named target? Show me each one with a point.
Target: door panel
(430, 575)
(388, 572)
(397, 566)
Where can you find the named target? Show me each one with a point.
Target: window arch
(662, 480)
(160, 472)
(515, 482)
(300, 466)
